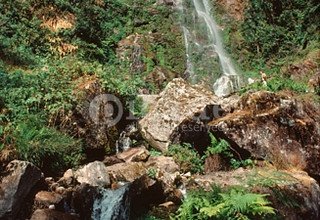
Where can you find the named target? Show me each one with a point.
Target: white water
(204, 47)
(112, 204)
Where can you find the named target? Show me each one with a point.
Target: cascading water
(206, 58)
(112, 204)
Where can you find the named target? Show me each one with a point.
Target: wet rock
(44, 199)
(48, 214)
(276, 128)
(224, 86)
(83, 198)
(94, 174)
(137, 154)
(127, 172)
(145, 193)
(178, 102)
(19, 179)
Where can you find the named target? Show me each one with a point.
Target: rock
(163, 163)
(178, 102)
(20, 178)
(111, 160)
(137, 154)
(276, 128)
(127, 172)
(83, 198)
(224, 86)
(44, 199)
(48, 214)
(294, 194)
(94, 174)
(145, 191)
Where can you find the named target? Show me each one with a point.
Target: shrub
(188, 158)
(47, 148)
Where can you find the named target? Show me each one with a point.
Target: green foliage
(36, 93)
(228, 204)
(152, 172)
(21, 37)
(223, 148)
(187, 158)
(154, 153)
(277, 28)
(276, 84)
(218, 147)
(47, 148)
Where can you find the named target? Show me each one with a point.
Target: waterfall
(112, 204)
(207, 61)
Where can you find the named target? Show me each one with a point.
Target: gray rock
(21, 177)
(94, 174)
(177, 103)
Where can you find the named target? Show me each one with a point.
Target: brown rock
(48, 214)
(276, 128)
(165, 164)
(111, 160)
(127, 172)
(295, 188)
(136, 154)
(45, 199)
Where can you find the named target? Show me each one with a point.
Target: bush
(47, 148)
(225, 204)
(187, 158)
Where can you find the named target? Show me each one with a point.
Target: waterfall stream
(112, 204)
(207, 60)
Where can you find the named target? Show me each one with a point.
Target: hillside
(108, 107)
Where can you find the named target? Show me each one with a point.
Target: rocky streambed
(277, 132)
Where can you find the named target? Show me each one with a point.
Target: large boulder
(276, 128)
(178, 102)
(294, 194)
(19, 180)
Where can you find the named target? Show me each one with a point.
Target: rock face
(94, 174)
(15, 187)
(178, 102)
(276, 128)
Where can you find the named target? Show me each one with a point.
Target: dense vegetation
(48, 48)
(279, 38)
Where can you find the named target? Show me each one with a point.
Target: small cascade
(112, 204)
(207, 61)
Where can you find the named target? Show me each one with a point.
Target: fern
(231, 204)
